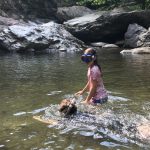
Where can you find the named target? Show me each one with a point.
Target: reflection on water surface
(30, 84)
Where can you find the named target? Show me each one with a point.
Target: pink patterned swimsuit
(101, 95)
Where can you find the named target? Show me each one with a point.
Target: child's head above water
(67, 107)
(89, 55)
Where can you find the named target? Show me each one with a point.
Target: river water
(34, 84)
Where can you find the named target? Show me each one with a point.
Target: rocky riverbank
(30, 26)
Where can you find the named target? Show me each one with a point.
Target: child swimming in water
(97, 92)
(68, 108)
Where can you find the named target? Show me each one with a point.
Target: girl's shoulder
(95, 68)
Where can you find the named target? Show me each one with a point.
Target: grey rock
(49, 36)
(28, 9)
(132, 36)
(106, 26)
(98, 44)
(4, 21)
(67, 13)
(103, 45)
(140, 50)
(110, 46)
(137, 36)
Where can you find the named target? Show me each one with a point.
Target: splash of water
(98, 122)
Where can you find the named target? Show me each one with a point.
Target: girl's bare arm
(92, 91)
(83, 90)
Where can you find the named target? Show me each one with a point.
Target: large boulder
(106, 26)
(67, 13)
(137, 36)
(28, 9)
(49, 36)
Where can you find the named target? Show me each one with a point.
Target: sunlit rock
(105, 47)
(49, 36)
(67, 13)
(106, 26)
(98, 44)
(141, 50)
(110, 46)
(4, 22)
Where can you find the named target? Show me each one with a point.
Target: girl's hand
(79, 93)
(85, 102)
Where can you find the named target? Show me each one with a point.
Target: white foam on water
(2, 146)
(112, 98)
(97, 122)
(36, 111)
(54, 93)
(112, 144)
(20, 113)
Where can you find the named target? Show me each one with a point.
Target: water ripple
(98, 123)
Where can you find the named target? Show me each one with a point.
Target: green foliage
(143, 4)
(98, 2)
(92, 2)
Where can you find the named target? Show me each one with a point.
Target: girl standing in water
(97, 93)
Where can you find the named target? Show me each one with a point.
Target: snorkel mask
(87, 58)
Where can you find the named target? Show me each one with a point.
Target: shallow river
(31, 84)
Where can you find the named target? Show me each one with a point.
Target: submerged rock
(105, 47)
(141, 50)
(110, 46)
(98, 44)
(49, 36)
